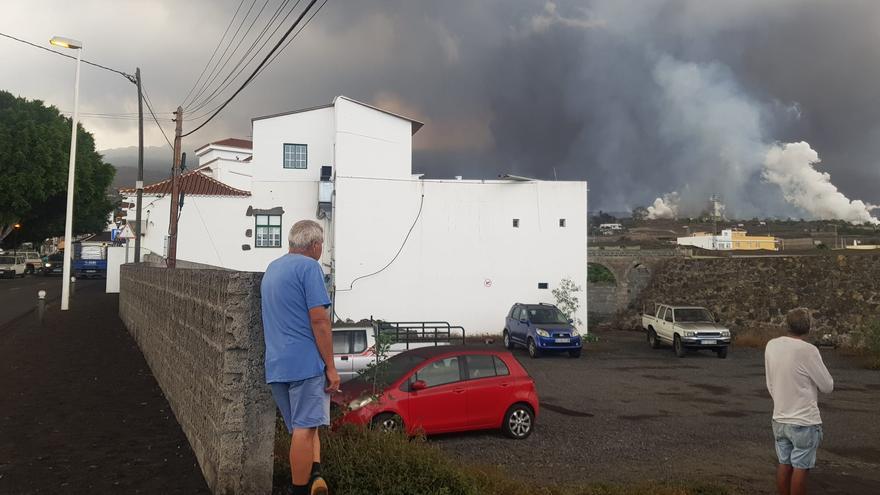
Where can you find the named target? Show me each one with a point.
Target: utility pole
(139, 185)
(171, 260)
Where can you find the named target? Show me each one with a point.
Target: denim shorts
(303, 404)
(796, 445)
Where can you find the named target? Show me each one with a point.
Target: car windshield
(693, 315)
(546, 315)
(7, 260)
(394, 368)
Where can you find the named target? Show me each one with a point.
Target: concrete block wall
(602, 298)
(201, 333)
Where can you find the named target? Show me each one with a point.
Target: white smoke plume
(792, 167)
(665, 207)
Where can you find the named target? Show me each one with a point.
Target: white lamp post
(71, 172)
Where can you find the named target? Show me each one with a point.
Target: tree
(567, 300)
(640, 213)
(34, 154)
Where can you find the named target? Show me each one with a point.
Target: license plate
(563, 341)
(93, 271)
(708, 342)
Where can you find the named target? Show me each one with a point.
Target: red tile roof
(192, 183)
(232, 143)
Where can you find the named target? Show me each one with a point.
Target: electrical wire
(256, 71)
(216, 47)
(405, 239)
(150, 108)
(217, 68)
(233, 75)
(296, 34)
(123, 74)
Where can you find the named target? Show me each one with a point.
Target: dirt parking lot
(625, 412)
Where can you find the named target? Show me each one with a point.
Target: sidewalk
(80, 411)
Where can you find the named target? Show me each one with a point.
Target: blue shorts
(796, 445)
(303, 404)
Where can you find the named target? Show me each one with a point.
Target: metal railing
(419, 332)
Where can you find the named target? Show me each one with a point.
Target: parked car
(53, 264)
(12, 266)
(541, 328)
(32, 261)
(444, 389)
(354, 347)
(686, 327)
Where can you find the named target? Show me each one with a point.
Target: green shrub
(356, 461)
(870, 343)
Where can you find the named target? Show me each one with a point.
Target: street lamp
(15, 247)
(71, 171)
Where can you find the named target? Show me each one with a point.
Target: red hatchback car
(445, 389)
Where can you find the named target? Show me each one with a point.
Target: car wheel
(507, 342)
(534, 352)
(652, 339)
(29, 269)
(575, 354)
(519, 421)
(678, 347)
(722, 353)
(388, 423)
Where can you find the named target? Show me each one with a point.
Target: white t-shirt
(795, 372)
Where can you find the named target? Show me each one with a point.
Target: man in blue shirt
(299, 350)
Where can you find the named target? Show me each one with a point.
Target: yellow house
(730, 240)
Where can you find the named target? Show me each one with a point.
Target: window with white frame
(268, 230)
(296, 156)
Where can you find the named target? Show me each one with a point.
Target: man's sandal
(318, 486)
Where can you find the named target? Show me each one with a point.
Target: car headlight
(725, 333)
(542, 332)
(574, 332)
(48, 265)
(359, 403)
(689, 334)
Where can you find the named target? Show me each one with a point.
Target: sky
(646, 100)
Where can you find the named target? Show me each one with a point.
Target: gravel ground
(625, 412)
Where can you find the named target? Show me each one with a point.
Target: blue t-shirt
(292, 285)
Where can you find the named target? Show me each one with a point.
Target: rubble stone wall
(201, 333)
(842, 291)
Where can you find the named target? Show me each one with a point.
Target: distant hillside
(157, 164)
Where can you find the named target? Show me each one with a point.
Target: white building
(397, 247)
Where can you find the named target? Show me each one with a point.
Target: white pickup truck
(685, 328)
(354, 346)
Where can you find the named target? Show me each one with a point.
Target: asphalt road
(625, 412)
(19, 296)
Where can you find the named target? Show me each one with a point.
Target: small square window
(516, 223)
(295, 156)
(562, 222)
(542, 285)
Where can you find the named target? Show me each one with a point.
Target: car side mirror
(524, 320)
(418, 385)
(717, 320)
(571, 321)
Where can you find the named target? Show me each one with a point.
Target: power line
(123, 74)
(256, 71)
(216, 47)
(233, 75)
(217, 68)
(296, 34)
(150, 108)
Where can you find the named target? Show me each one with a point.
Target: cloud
(664, 208)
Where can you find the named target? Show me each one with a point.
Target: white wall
(463, 238)
(313, 128)
(370, 143)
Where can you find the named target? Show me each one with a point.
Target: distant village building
(397, 246)
(730, 240)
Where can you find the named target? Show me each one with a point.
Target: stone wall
(201, 333)
(602, 298)
(843, 291)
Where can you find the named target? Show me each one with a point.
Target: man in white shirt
(795, 375)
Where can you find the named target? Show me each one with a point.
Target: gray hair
(305, 233)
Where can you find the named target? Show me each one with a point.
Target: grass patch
(866, 344)
(757, 336)
(362, 462)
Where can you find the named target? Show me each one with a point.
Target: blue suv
(541, 328)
